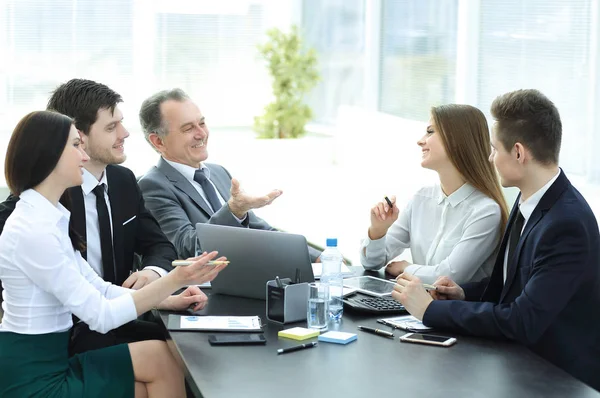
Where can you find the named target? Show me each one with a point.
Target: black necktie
(208, 189)
(515, 235)
(106, 245)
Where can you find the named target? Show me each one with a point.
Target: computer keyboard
(378, 305)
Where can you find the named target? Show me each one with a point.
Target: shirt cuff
(413, 268)
(240, 220)
(161, 272)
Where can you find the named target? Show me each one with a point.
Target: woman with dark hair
(46, 280)
(452, 228)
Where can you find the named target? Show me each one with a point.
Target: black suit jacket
(551, 296)
(134, 229)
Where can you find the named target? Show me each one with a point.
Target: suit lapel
(183, 185)
(546, 202)
(78, 214)
(116, 210)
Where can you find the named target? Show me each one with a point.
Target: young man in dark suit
(544, 291)
(182, 190)
(108, 210)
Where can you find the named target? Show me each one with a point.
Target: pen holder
(288, 303)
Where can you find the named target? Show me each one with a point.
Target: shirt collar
(90, 182)
(527, 207)
(188, 171)
(457, 196)
(47, 209)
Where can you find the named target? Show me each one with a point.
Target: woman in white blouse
(46, 280)
(452, 228)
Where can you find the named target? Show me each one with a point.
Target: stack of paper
(298, 333)
(338, 337)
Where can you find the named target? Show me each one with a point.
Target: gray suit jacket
(177, 206)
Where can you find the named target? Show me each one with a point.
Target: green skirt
(39, 366)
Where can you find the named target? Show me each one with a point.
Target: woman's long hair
(466, 137)
(34, 149)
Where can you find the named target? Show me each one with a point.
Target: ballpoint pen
(184, 263)
(377, 331)
(386, 323)
(427, 286)
(389, 202)
(296, 348)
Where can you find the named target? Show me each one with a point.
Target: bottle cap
(331, 242)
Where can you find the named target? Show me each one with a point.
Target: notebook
(214, 323)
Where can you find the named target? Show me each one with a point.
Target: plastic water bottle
(332, 259)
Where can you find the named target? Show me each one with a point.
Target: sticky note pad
(298, 333)
(337, 337)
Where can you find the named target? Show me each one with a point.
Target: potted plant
(294, 72)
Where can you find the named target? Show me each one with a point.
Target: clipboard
(183, 323)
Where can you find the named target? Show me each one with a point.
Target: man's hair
(81, 100)
(150, 114)
(529, 117)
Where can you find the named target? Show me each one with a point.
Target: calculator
(377, 305)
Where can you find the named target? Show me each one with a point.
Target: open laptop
(256, 256)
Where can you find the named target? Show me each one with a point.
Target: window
(541, 44)
(336, 29)
(418, 56)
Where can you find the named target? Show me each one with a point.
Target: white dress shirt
(45, 280)
(188, 172)
(456, 236)
(526, 208)
(92, 226)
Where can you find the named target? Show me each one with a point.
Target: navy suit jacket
(551, 297)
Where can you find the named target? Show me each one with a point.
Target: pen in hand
(185, 263)
(296, 348)
(426, 286)
(376, 331)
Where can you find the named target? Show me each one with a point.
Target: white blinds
(542, 44)
(136, 47)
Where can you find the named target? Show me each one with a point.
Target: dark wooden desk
(372, 366)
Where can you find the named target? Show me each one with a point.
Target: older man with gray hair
(182, 190)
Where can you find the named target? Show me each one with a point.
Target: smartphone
(238, 339)
(428, 339)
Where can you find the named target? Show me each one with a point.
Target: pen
(427, 286)
(296, 348)
(297, 279)
(389, 202)
(376, 331)
(278, 281)
(183, 263)
(386, 323)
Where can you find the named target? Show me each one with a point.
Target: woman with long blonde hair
(452, 228)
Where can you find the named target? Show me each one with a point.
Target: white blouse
(455, 236)
(45, 280)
